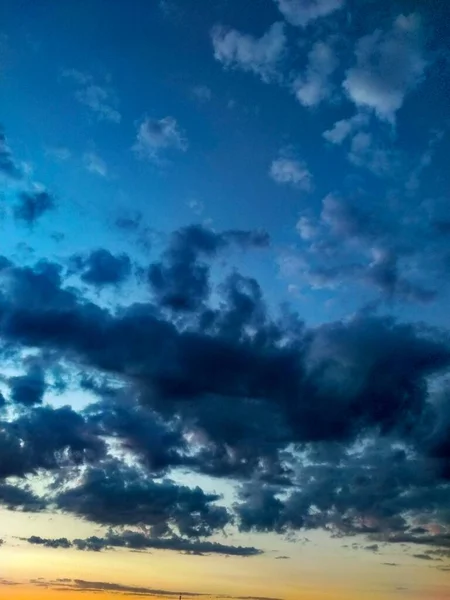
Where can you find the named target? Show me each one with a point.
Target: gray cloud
(388, 65)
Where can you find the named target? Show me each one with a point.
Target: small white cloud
(95, 164)
(286, 170)
(201, 93)
(306, 228)
(388, 65)
(315, 86)
(101, 100)
(302, 12)
(248, 53)
(342, 129)
(196, 206)
(155, 136)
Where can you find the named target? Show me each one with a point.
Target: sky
(224, 323)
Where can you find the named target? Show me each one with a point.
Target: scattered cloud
(245, 52)
(155, 137)
(135, 540)
(100, 99)
(292, 171)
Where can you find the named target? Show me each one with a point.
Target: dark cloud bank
(343, 427)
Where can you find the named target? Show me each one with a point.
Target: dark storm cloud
(28, 389)
(180, 281)
(375, 491)
(331, 382)
(231, 392)
(158, 444)
(31, 206)
(14, 498)
(102, 268)
(114, 494)
(8, 165)
(47, 438)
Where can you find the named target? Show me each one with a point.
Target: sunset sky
(224, 299)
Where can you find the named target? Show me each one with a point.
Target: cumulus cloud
(315, 85)
(292, 171)
(155, 137)
(101, 267)
(302, 12)
(260, 56)
(389, 64)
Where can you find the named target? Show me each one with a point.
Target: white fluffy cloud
(388, 65)
(291, 171)
(315, 85)
(248, 53)
(155, 136)
(302, 12)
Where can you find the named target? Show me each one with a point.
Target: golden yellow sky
(319, 570)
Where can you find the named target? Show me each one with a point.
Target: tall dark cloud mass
(334, 426)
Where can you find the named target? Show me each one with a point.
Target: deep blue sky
(214, 160)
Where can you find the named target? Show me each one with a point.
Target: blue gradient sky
(172, 173)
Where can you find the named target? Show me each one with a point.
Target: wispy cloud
(100, 99)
